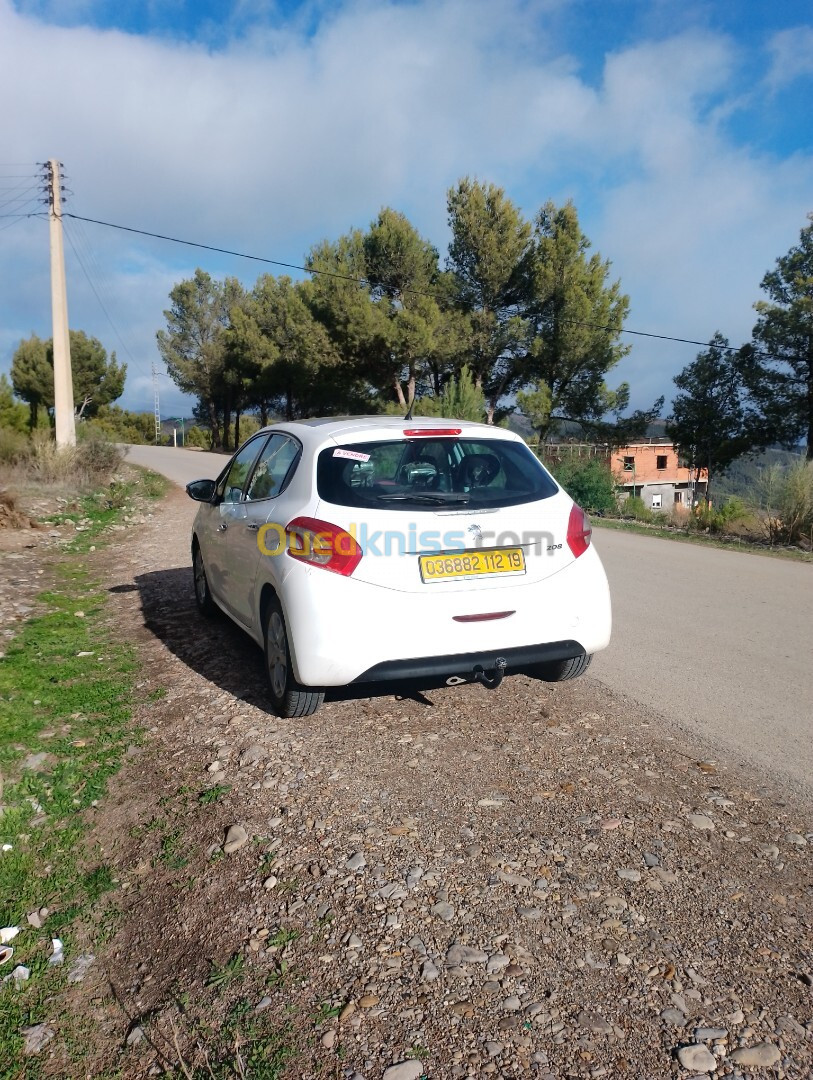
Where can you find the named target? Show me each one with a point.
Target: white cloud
(791, 56)
(285, 137)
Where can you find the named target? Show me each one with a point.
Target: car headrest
(478, 470)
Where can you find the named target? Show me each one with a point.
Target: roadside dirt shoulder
(536, 881)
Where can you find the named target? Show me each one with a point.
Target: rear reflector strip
(489, 616)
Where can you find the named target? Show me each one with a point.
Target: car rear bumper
(343, 630)
(465, 666)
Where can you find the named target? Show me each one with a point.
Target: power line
(86, 272)
(21, 217)
(363, 281)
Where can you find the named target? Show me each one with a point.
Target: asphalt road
(717, 642)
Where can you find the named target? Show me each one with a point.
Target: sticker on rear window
(354, 455)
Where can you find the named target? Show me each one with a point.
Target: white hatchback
(374, 549)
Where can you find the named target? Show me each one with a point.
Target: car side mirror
(202, 490)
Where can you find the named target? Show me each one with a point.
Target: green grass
(65, 693)
(213, 794)
(221, 975)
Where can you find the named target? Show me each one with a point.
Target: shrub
(97, 456)
(13, 446)
(635, 507)
(786, 503)
(47, 461)
(589, 481)
(196, 436)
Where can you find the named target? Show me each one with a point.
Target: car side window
(239, 470)
(273, 468)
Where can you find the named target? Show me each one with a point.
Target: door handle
(254, 526)
(222, 527)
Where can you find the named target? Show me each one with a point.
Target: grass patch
(220, 975)
(65, 712)
(213, 794)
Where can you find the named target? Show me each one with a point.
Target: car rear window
(443, 472)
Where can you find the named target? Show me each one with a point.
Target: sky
(681, 129)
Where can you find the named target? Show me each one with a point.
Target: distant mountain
(743, 477)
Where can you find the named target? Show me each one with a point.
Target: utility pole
(63, 379)
(156, 405)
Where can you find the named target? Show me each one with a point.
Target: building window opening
(661, 461)
(656, 502)
(679, 497)
(629, 464)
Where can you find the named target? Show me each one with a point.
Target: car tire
(288, 698)
(562, 670)
(203, 595)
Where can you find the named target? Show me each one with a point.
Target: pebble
(404, 1070)
(796, 839)
(674, 1017)
(443, 910)
(700, 821)
(356, 862)
(629, 875)
(80, 967)
(698, 1058)
(253, 754)
(236, 837)
(270, 882)
(465, 954)
(531, 913)
(705, 1034)
(595, 1022)
(517, 880)
(429, 971)
(764, 1054)
(36, 1037)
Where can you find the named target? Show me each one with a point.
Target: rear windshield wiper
(438, 498)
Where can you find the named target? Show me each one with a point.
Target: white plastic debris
(8, 933)
(57, 956)
(6, 953)
(8, 847)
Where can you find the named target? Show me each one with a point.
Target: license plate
(472, 563)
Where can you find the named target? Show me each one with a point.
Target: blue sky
(682, 131)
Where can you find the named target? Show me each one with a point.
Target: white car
(376, 549)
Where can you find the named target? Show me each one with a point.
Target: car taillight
(319, 543)
(579, 531)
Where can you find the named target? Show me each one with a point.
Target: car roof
(343, 428)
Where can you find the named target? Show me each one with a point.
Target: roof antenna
(411, 407)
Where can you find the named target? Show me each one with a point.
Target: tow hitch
(491, 679)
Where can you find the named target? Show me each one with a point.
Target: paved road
(718, 642)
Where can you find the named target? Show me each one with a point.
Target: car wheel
(562, 670)
(288, 698)
(203, 597)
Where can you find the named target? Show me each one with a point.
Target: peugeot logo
(476, 532)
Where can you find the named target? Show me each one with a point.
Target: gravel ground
(536, 881)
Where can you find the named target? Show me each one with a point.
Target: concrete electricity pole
(63, 379)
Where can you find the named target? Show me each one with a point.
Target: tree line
(522, 308)
(735, 401)
(520, 314)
